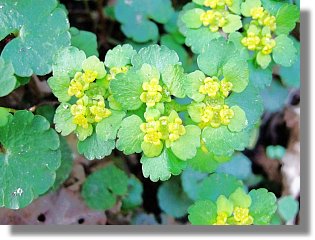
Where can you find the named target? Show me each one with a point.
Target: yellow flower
(81, 120)
(214, 19)
(267, 44)
(210, 86)
(151, 92)
(221, 219)
(225, 87)
(226, 114)
(242, 217)
(151, 129)
(176, 129)
(89, 76)
(252, 41)
(263, 17)
(257, 12)
(218, 3)
(216, 115)
(116, 70)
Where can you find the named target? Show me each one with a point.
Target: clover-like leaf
(286, 18)
(133, 198)
(23, 137)
(84, 40)
(7, 78)
(202, 213)
(136, 15)
(119, 56)
(284, 52)
(64, 120)
(191, 139)
(162, 166)
(288, 207)
(35, 43)
(263, 206)
(95, 147)
(173, 78)
(155, 55)
(172, 199)
(130, 135)
(218, 184)
(101, 188)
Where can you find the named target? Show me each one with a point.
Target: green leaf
(127, 88)
(84, 40)
(286, 18)
(248, 5)
(200, 39)
(7, 78)
(290, 76)
(191, 180)
(275, 97)
(263, 60)
(119, 56)
(284, 52)
(4, 116)
(288, 208)
(108, 127)
(234, 23)
(64, 120)
(32, 50)
(218, 184)
(68, 61)
(239, 121)
(192, 18)
(239, 166)
(260, 78)
(154, 55)
(236, 38)
(162, 167)
(63, 172)
(133, 198)
(94, 64)
(47, 111)
(135, 17)
(95, 147)
(24, 177)
(172, 199)
(193, 81)
(236, 6)
(130, 135)
(202, 213)
(240, 198)
(101, 188)
(200, 2)
(59, 86)
(83, 133)
(173, 78)
(236, 71)
(191, 139)
(263, 206)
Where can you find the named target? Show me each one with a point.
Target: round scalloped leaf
(240, 198)
(218, 184)
(95, 147)
(284, 52)
(199, 39)
(133, 198)
(172, 199)
(234, 23)
(119, 56)
(155, 55)
(263, 206)
(191, 180)
(24, 177)
(84, 40)
(59, 86)
(32, 50)
(135, 17)
(202, 213)
(288, 208)
(286, 18)
(102, 188)
(236, 6)
(127, 88)
(7, 78)
(191, 18)
(64, 120)
(260, 78)
(108, 127)
(193, 81)
(263, 60)
(130, 135)
(68, 61)
(162, 167)
(173, 77)
(94, 64)
(239, 121)
(191, 139)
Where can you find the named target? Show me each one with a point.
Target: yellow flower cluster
(116, 70)
(152, 92)
(87, 111)
(164, 128)
(215, 19)
(216, 115)
(265, 43)
(218, 3)
(240, 217)
(213, 87)
(81, 82)
(263, 17)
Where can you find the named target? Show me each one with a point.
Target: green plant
(187, 113)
